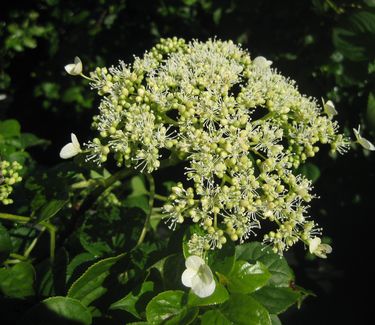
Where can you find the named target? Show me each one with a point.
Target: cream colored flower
(198, 276)
(262, 62)
(362, 141)
(74, 69)
(329, 108)
(71, 149)
(317, 248)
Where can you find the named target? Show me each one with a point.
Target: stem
(33, 243)
(18, 256)
(52, 239)
(151, 205)
(160, 197)
(86, 77)
(13, 217)
(91, 199)
(259, 154)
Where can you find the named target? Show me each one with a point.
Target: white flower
(71, 149)
(319, 249)
(198, 276)
(329, 108)
(75, 68)
(362, 141)
(262, 62)
(3, 96)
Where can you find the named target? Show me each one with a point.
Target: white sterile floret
(329, 108)
(362, 141)
(74, 69)
(319, 249)
(198, 276)
(71, 149)
(262, 62)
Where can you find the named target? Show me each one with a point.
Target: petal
(314, 244)
(262, 62)
(205, 274)
(356, 133)
(329, 108)
(75, 142)
(78, 65)
(194, 262)
(201, 289)
(68, 151)
(366, 144)
(187, 276)
(69, 68)
(326, 248)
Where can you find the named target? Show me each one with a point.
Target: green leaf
(281, 273)
(244, 310)
(90, 286)
(138, 187)
(214, 317)
(222, 260)
(5, 244)
(171, 269)
(354, 36)
(17, 281)
(135, 301)
(10, 128)
(311, 171)
(59, 310)
(50, 209)
(246, 277)
(169, 307)
(219, 296)
(76, 262)
(276, 299)
(31, 140)
(370, 112)
(275, 320)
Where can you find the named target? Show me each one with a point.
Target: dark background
(326, 46)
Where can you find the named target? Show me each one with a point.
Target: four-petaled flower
(362, 141)
(317, 248)
(74, 69)
(198, 276)
(71, 149)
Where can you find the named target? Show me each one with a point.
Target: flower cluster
(242, 128)
(8, 177)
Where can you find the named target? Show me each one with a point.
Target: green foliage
(70, 248)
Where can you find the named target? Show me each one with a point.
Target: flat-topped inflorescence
(241, 126)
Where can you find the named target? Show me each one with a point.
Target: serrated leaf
(219, 296)
(50, 209)
(246, 277)
(5, 243)
(244, 310)
(89, 286)
(222, 260)
(281, 273)
(17, 281)
(276, 299)
(135, 301)
(170, 307)
(214, 317)
(59, 310)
